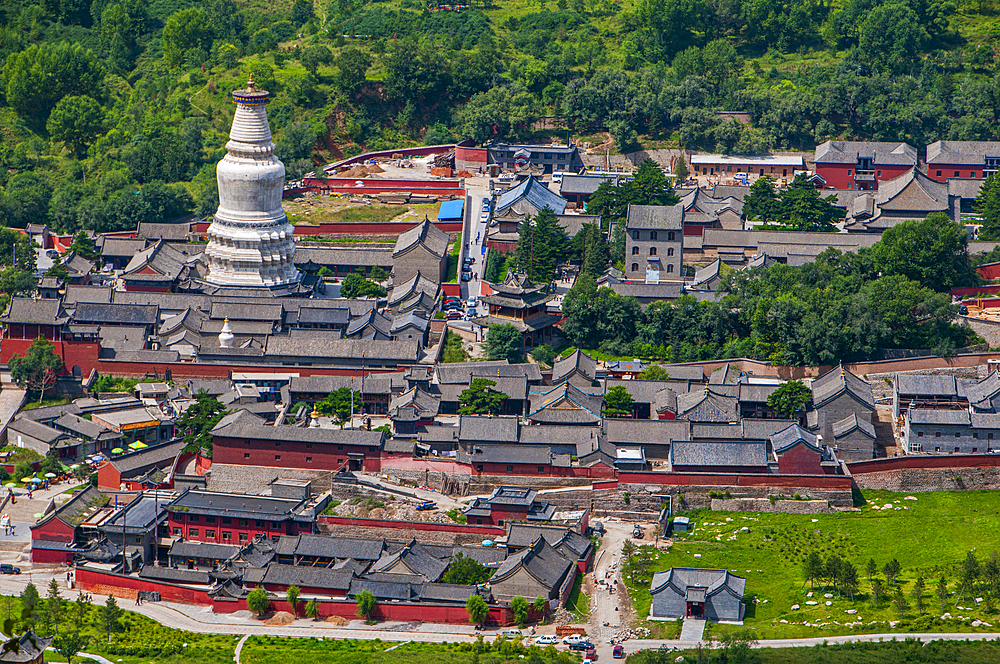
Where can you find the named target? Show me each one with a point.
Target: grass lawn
(21, 454)
(32, 404)
(930, 537)
(453, 351)
(451, 276)
(579, 602)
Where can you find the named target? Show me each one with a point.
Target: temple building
(250, 243)
(521, 303)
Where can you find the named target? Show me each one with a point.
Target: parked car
(618, 652)
(637, 532)
(471, 302)
(591, 653)
(546, 638)
(466, 276)
(963, 310)
(452, 304)
(511, 633)
(581, 645)
(572, 638)
(9, 569)
(471, 312)
(453, 315)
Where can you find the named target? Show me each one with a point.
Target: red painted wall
(182, 521)
(800, 460)
(965, 172)
(836, 175)
(108, 477)
(89, 579)
(456, 615)
(320, 456)
(54, 530)
(49, 557)
(478, 155)
(990, 271)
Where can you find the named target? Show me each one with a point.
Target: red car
(618, 652)
(453, 315)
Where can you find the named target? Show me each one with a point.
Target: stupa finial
(251, 86)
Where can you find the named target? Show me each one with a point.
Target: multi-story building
(862, 165)
(962, 159)
(654, 240)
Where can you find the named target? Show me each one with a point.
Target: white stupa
(250, 241)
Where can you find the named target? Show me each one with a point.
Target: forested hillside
(116, 110)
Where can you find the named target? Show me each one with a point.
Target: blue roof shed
(451, 210)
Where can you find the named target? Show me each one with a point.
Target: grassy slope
(930, 540)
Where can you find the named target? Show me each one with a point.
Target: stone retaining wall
(765, 505)
(916, 480)
(691, 497)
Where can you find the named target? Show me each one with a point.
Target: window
(848, 171)
(975, 434)
(309, 459)
(510, 469)
(670, 268)
(541, 469)
(972, 174)
(258, 523)
(340, 447)
(243, 538)
(635, 266)
(956, 449)
(209, 519)
(479, 467)
(210, 534)
(670, 235)
(226, 520)
(956, 173)
(958, 435)
(192, 518)
(226, 536)
(309, 446)
(937, 449)
(340, 461)
(275, 524)
(177, 531)
(652, 251)
(879, 174)
(975, 449)
(652, 235)
(277, 443)
(635, 251)
(244, 522)
(246, 455)
(246, 442)
(939, 173)
(920, 434)
(479, 521)
(989, 436)
(277, 457)
(192, 532)
(937, 434)
(670, 251)
(635, 235)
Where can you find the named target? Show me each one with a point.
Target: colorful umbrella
(51, 475)
(137, 445)
(37, 480)
(10, 485)
(74, 466)
(39, 515)
(117, 450)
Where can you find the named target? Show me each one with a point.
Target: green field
(929, 536)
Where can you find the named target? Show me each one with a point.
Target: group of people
(8, 525)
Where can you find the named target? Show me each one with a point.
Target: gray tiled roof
(30, 310)
(837, 381)
(728, 453)
(850, 423)
(926, 385)
(561, 538)
(882, 154)
(536, 193)
(416, 558)
(565, 404)
(205, 550)
(938, 416)
(791, 435)
(330, 349)
(339, 548)
(586, 184)
(577, 362)
(242, 424)
(171, 575)
(303, 576)
(755, 392)
(645, 391)
(712, 580)
(981, 392)
(985, 420)
(135, 314)
(487, 428)
(659, 217)
(425, 233)
(158, 454)
(198, 501)
(627, 431)
(540, 560)
(538, 455)
(235, 311)
(460, 372)
(42, 432)
(967, 153)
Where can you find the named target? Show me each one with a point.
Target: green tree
(292, 594)
(814, 568)
(987, 206)
(541, 246)
(258, 601)
(871, 568)
(899, 600)
(355, 286)
(196, 423)
(739, 647)
(890, 38)
(466, 571)
(84, 245)
(186, 31)
(30, 599)
(111, 616)
(918, 594)
(69, 645)
(477, 609)
(504, 342)
(933, 251)
(761, 201)
(801, 207)
(26, 200)
(617, 402)
(878, 591)
(654, 372)
(789, 398)
(681, 172)
(37, 368)
(52, 611)
(891, 570)
(968, 574)
(314, 56)
(365, 602)
(82, 608)
(519, 607)
(312, 609)
(353, 64)
(42, 74)
(76, 121)
(942, 593)
(480, 398)
(499, 112)
(340, 404)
